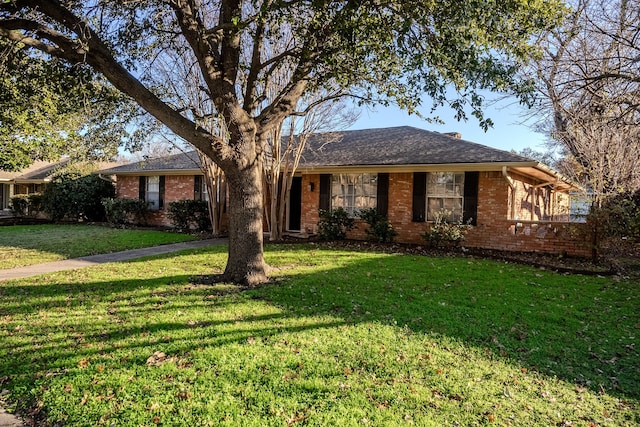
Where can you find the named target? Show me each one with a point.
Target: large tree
(395, 51)
(588, 79)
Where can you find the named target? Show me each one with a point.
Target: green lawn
(340, 338)
(32, 244)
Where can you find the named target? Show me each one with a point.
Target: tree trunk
(246, 263)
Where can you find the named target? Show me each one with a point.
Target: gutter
(104, 178)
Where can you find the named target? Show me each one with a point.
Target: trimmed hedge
(125, 211)
(23, 205)
(189, 214)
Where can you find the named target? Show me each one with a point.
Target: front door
(295, 204)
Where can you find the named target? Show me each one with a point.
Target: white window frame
(354, 191)
(152, 192)
(445, 192)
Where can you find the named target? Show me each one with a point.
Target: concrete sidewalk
(9, 420)
(88, 261)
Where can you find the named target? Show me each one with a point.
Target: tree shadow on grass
(579, 329)
(575, 328)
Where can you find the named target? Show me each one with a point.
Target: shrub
(76, 196)
(380, 229)
(188, 214)
(26, 204)
(443, 232)
(334, 224)
(20, 205)
(618, 216)
(125, 211)
(35, 204)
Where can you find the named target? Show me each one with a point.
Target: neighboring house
(408, 174)
(32, 180)
(27, 181)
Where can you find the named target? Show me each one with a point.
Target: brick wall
(494, 230)
(127, 187)
(177, 187)
(310, 204)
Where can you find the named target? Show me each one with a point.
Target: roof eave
(449, 167)
(153, 172)
(545, 173)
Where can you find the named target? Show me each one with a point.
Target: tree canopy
(588, 81)
(49, 108)
(246, 63)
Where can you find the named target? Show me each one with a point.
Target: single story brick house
(408, 174)
(27, 181)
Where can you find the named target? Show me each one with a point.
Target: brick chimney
(456, 135)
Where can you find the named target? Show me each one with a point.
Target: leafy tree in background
(376, 51)
(49, 108)
(588, 85)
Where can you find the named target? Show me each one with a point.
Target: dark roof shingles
(403, 145)
(180, 161)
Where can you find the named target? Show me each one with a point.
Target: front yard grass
(23, 245)
(339, 338)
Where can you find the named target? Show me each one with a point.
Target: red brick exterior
(177, 187)
(495, 228)
(499, 225)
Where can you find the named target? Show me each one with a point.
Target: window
(445, 192)
(152, 191)
(200, 188)
(353, 192)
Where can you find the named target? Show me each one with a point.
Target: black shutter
(161, 195)
(470, 206)
(419, 196)
(197, 187)
(142, 187)
(325, 192)
(383, 194)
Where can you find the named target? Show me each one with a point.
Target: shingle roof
(175, 162)
(402, 145)
(38, 171)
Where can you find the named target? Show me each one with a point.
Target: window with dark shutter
(161, 193)
(470, 213)
(325, 192)
(142, 188)
(419, 196)
(383, 194)
(197, 187)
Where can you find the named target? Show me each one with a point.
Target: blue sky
(507, 132)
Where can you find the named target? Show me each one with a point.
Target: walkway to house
(71, 264)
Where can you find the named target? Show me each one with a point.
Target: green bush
(619, 216)
(125, 211)
(334, 224)
(380, 229)
(20, 205)
(75, 195)
(26, 204)
(443, 232)
(188, 214)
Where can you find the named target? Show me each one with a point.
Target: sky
(508, 132)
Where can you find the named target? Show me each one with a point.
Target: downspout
(512, 185)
